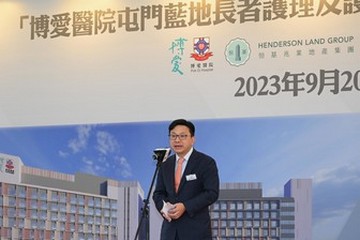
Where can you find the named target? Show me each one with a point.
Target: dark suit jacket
(199, 188)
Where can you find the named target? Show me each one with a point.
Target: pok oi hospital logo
(201, 49)
(9, 167)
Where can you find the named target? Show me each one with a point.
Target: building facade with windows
(42, 204)
(242, 213)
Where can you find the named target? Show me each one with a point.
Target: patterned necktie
(178, 173)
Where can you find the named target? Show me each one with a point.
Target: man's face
(181, 140)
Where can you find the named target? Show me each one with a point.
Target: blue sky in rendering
(325, 148)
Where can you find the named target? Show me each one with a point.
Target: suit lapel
(189, 169)
(171, 171)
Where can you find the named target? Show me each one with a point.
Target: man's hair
(183, 122)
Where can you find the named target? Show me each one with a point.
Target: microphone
(161, 154)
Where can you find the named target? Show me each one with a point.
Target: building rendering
(42, 204)
(243, 213)
(301, 191)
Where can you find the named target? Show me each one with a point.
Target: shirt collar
(187, 156)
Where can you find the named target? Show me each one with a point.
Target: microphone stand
(160, 155)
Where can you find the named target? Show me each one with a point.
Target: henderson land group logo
(237, 52)
(7, 166)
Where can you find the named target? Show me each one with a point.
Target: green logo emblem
(237, 52)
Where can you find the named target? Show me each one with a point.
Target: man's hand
(165, 210)
(166, 216)
(177, 211)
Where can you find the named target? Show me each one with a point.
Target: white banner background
(127, 76)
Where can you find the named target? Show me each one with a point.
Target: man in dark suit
(184, 203)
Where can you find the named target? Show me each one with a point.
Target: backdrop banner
(273, 87)
(70, 62)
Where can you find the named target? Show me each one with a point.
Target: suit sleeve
(159, 193)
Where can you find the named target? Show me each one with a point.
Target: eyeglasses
(180, 136)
